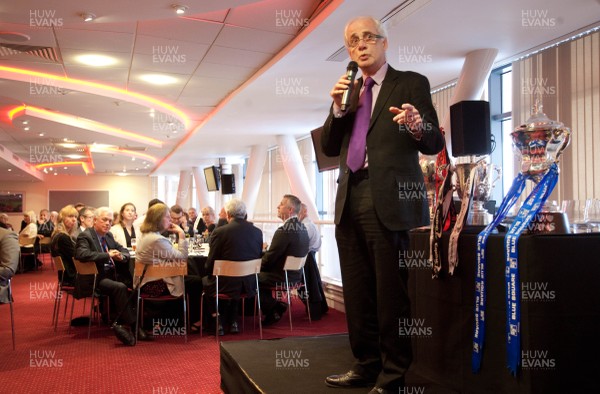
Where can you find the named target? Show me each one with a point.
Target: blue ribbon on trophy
(538, 143)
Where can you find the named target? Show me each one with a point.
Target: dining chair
(293, 263)
(23, 254)
(61, 289)
(160, 271)
(87, 268)
(234, 269)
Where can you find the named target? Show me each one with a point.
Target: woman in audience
(153, 248)
(63, 242)
(123, 231)
(27, 238)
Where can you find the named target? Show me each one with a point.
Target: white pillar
(201, 191)
(296, 173)
(236, 170)
(183, 188)
(256, 164)
(473, 77)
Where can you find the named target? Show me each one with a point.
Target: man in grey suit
(239, 240)
(380, 197)
(9, 260)
(290, 239)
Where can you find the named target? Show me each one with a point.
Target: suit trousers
(119, 298)
(375, 289)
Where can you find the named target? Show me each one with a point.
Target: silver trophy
(487, 176)
(538, 144)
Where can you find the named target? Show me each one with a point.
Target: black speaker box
(227, 184)
(470, 128)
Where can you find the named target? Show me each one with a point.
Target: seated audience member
(154, 248)
(96, 244)
(54, 218)
(4, 222)
(209, 219)
(9, 260)
(290, 239)
(44, 229)
(223, 217)
(63, 242)
(123, 231)
(86, 219)
(27, 238)
(192, 216)
(239, 240)
(318, 302)
(177, 217)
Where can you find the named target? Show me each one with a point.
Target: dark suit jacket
(239, 240)
(396, 179)
(89, 249)
(291, 239)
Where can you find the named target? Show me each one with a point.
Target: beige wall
(135, 189)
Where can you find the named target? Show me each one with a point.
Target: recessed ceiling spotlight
(158, 79)
(25, 122)
(180, 9)
(96, 60)
(41, 134)
(88, 16)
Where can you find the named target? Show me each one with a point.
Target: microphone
(351, 71)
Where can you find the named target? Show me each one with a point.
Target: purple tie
(358, 139)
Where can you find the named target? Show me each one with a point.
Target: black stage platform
(296, 365)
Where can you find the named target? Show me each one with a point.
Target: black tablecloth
(560, 321)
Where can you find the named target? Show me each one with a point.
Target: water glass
(592, 214)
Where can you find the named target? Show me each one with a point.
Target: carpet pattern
(49, 362)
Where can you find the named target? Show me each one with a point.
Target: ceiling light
(180, 9)
(96, 60)
(158, 79)
(26, 128)
(88, 16)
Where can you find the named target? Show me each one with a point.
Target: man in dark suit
(112, 261)
(381, 196)
(239, 240)
(291, 239)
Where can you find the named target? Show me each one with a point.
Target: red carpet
(49, 362)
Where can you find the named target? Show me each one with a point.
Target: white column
(296, 173)
(473, 77)
(236, 170)
(183, 188)
(256, 163)
(201, 191)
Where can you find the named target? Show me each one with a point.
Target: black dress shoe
(271, 318)
(144, 336)
(124, 334)
(348, 379)
(234, 329)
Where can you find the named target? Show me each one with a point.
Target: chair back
(236, 268)
(85, 267)
(293, 263)
(162, 270)
(23, 240)
(58, 263)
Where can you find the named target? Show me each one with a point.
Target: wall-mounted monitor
(324, 162)
(212, 178)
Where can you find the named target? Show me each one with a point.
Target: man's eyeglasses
(368, 38)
